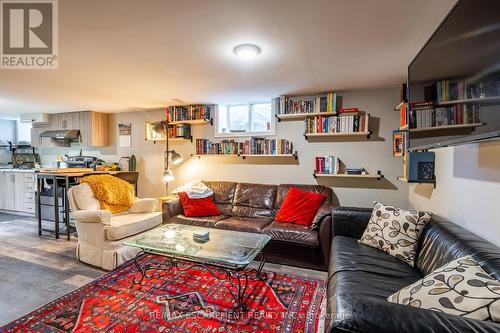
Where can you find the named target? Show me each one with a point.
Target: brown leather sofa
(252, 207)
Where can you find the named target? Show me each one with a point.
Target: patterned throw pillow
(395, 231)
(460, 288)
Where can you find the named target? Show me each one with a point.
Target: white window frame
(250, 105)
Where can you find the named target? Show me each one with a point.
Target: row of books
(291, 105)
(253, 146)
(449, 90)
(189, 112)
(454, 115)
(328, 165)
(337, 124)
(179, 131)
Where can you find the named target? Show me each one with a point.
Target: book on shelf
(283, 105)
(425, 116)
(403, 92)
(179, 131)
(189, 112)
(328, 165)
(399, 143)
(403, 116)
(253, 146)
(348, 111)
(450, 90)
(355, 171)
(337, 124)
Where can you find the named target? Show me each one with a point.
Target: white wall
(467, 190)
(373, 155)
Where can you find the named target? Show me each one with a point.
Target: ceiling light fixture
(246, 51)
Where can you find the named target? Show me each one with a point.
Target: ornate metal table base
(237, 277)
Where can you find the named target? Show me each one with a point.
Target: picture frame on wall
(125, 135)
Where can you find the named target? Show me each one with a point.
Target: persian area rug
(176, 301)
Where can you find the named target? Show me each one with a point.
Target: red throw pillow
(198, 207)
(299, 207)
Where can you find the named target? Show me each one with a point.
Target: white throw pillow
(395, 231)
(85, 198)
(460, 288)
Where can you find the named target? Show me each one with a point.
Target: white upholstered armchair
(101, 234)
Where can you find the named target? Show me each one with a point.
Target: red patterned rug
(176, 301)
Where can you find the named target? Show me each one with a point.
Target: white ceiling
(122, 55)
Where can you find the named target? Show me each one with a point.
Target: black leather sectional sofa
(361, 278)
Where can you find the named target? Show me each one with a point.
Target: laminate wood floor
(35, 270)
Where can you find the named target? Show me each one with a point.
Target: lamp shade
(176, 157)
(168, 176)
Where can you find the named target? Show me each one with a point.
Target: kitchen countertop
(18, 170)
(77, 173)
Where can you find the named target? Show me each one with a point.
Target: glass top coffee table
(225, 255)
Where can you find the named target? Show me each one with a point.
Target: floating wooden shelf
(301, 116)
(446, 127)
(244, 156)
(398, 107)
(406, 180)
(173, 140)
(470, 101)
(338, 134)
(377, 176)
(192, 122)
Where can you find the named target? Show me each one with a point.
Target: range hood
(61, 134)
(62, 138)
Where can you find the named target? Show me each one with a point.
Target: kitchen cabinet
(18, 191)
(93, 128)
(65, 120)
(36, 140)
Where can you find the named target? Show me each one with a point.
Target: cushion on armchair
(93, 216)
(85, 198)
(145, 205)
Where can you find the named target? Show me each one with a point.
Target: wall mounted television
(454, 81)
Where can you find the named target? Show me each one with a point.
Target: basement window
(239, 120)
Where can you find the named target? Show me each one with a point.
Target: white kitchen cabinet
(4, 193)
(18, 193)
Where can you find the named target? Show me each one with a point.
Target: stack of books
(254, 146)
(424, 115)
(189, 112)
(349, 120)
(297, 105)
(355, 171)
(328, 165)
(179, 131)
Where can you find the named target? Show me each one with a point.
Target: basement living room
(249, 166)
